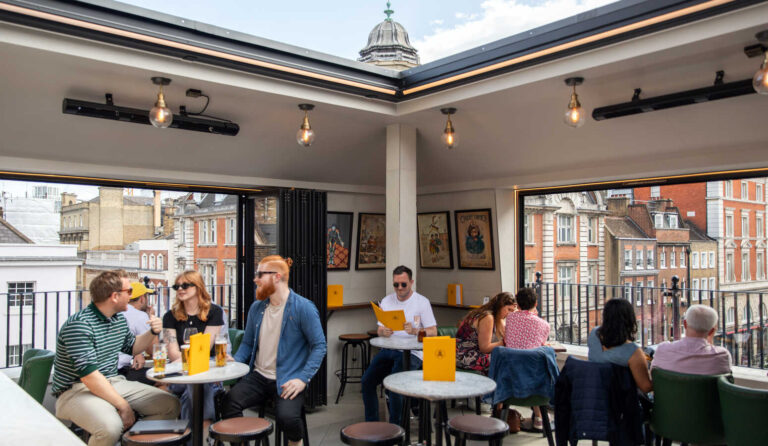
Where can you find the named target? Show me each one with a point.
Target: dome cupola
(388, 45)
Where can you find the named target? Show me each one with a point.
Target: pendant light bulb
(450, 137)
(305, 136)
(574, 114)
(760, 81)
(160, 115)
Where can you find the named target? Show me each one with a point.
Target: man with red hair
(283, 344)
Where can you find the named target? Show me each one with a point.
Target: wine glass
(188, 332)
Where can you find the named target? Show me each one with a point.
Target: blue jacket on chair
(523, 373)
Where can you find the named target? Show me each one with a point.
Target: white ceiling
(509, 136)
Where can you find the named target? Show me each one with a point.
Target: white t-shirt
(416, 305)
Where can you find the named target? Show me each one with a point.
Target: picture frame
(474, 239)
(338, 240)
(371, 241)
(434, 233)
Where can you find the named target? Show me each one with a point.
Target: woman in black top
(192, 309)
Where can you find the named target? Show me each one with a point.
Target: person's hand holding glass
(188, 332)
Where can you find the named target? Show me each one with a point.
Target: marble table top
(397, 343)
(467, 385)
(24, 421)
(214, 374)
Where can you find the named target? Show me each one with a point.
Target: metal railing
(573, 310)
(33, 320)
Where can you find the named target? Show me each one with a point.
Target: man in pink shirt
(695, 354)
(524, 329)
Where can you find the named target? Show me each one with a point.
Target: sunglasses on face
(183, 286)
(127, 290)
(261, 273)
(400, 284)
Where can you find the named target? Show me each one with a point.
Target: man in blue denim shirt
(283, 344)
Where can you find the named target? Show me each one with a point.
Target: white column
(507, 231)
(402, 241)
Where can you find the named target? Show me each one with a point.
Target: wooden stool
(352, 340)
(373, 433)
(166, 439)
(479, 428)
(241, 430)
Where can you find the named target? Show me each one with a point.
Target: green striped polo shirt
(89, 341)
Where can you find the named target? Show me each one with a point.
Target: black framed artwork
(474, 239)
(434, 232)
(338, 240)
(371, 241)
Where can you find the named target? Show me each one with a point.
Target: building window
(15, 354)
(745, 267)
(745, 226)
(565, 228)
(694, 260)
(662, 258)
(81, 221)
(671, 220)
(639, 292)
(231, 231)
(208, 271)
(728, 188)
(711, 259)
(160, 263)
(682, 258)
(230, 274)
(730, 315)
(655, 191)
(203, 234)
(672, 258)
(592, 230)
(694, 284)
(744, 191)
(760, 265)
(628, 291)
(528, 228)
(212, 239)
(729, 274)
(759, 192)
(711, 283)
(649, 259)
(703, 285)
(152, 264)
(639, 259)
(530, 274)
(20, 293)
(592, 274)
(729, 225)
(658, 220)
(565, 279)
(759, 225)
(182, 231)
(144, 261)
(627, 259)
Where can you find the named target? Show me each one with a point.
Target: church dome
(388, 45)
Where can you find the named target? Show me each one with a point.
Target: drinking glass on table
(159, 357)
(185, 349)
(222, 341)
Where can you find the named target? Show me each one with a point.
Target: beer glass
(222, 340)
(159, 356)
(185, 349)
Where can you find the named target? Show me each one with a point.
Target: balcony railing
(573, 310)
(33, 320)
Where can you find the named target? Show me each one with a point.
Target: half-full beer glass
(159, 357)
(222, 340)
(185, 359)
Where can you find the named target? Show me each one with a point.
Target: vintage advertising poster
(474, 239)
(435, 240)
(371, 241)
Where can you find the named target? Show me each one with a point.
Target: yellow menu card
(439, 358)
(335, 295)
(199, 353)
(394, 320)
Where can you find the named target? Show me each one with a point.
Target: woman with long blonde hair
(192, 308)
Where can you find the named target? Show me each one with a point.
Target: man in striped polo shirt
(85, 380)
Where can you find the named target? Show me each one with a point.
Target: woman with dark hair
(612, 342)
(480, 331)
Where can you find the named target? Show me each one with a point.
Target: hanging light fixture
(760, 81)
(305, 136)
(574, 116)
(160, 116)
(450, 137)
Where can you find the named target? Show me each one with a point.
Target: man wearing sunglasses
(137, 315)
(416, 307)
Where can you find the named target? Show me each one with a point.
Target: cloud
(498, 19)
(436, 22)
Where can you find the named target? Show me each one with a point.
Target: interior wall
(360, 286)
(433, 283)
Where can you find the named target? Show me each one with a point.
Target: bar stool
(478, 428)
(241, 430)
(373, 433)
(165, 439)
(352, 340)
(279, 437)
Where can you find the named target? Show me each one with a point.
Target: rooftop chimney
(617, 205)
(157, 208)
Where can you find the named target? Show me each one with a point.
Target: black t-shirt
(215, 319)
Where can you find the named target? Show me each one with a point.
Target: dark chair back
(447, 330)
(36, 367)
(686, 408)
(235, 338)
(743, 413)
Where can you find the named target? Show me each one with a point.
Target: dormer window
(658, 220)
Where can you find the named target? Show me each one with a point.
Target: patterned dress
(468, 355)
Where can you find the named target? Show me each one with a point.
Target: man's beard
(264, 291)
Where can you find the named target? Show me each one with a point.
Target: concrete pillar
(402, 243)
(506, 228)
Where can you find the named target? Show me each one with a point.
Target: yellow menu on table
(199, 353)
(394, 320)
(439, 358)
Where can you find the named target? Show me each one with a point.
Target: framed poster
(371, 241)
(474, 239)
(434, 231)
(338, 240)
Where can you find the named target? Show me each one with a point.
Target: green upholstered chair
(447, 330)
(743, 413)
(36, 367)
(686, 408)
(235, 338)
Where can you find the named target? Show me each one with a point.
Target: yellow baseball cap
(139, 290)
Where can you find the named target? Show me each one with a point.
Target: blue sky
(437, 28)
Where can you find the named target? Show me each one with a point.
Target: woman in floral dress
(482, 330)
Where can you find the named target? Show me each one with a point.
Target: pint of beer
(221, 353)
(159, 356)
(185, 359)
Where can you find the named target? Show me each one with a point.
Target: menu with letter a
(439, 358)
(199, 353)
(394, 320)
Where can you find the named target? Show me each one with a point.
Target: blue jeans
(383, 364)
(184, 392)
